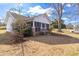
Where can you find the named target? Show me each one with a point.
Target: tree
(59, 11)
(18, 9)
(77, 5)
(69, 26)
(21, 28)
(55, 24)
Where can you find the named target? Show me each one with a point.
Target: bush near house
(22, 28)
(27, 32)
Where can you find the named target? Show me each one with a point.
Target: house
(40, 23)
(76, 27)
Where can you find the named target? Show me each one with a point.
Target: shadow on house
(8, 38)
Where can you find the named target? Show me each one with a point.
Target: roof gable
(43, 18)
(21, 17)
(18, 16)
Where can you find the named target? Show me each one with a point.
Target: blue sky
(40, 8)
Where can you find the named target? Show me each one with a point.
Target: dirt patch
(46, 45)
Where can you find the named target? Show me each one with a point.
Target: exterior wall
(9, 24)
(41, 19)
(9, 20)
(76, 28)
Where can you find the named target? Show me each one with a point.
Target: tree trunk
(59, 25)
(22, 46)
(20, 39)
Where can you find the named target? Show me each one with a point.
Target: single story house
(40, 23)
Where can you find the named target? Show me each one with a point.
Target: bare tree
(77, 5)
(19, 26)
(18, 8)
(59, 11)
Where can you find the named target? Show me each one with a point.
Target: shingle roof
(20, 17)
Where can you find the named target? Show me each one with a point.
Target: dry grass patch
(51, 45)
(66, 32)
(2, 29)
(55, 45)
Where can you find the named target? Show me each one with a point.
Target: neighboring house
(76, 27)
(40, 23)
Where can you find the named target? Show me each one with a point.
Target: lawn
(66, 32)
(2, 29)
(55, 44)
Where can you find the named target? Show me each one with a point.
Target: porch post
(33, 28)
(45, 29)
(41, 27)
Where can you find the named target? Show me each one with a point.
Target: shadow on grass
(55, 39)
(51, 39)
(9, 38)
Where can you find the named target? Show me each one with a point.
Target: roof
(45, 15)
(20, 17)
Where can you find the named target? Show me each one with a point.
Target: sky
(33, 9)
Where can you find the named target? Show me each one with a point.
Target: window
(37, 29)
(37, 26)
(47, 26)
(43, 25)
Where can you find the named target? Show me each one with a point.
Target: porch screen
(37, 26)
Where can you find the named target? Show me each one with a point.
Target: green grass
(75, 35)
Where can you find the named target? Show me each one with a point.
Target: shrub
(27, 32)
(22, 27)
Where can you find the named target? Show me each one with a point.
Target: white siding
(41, 19)
(9, 24)
(76, 28)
